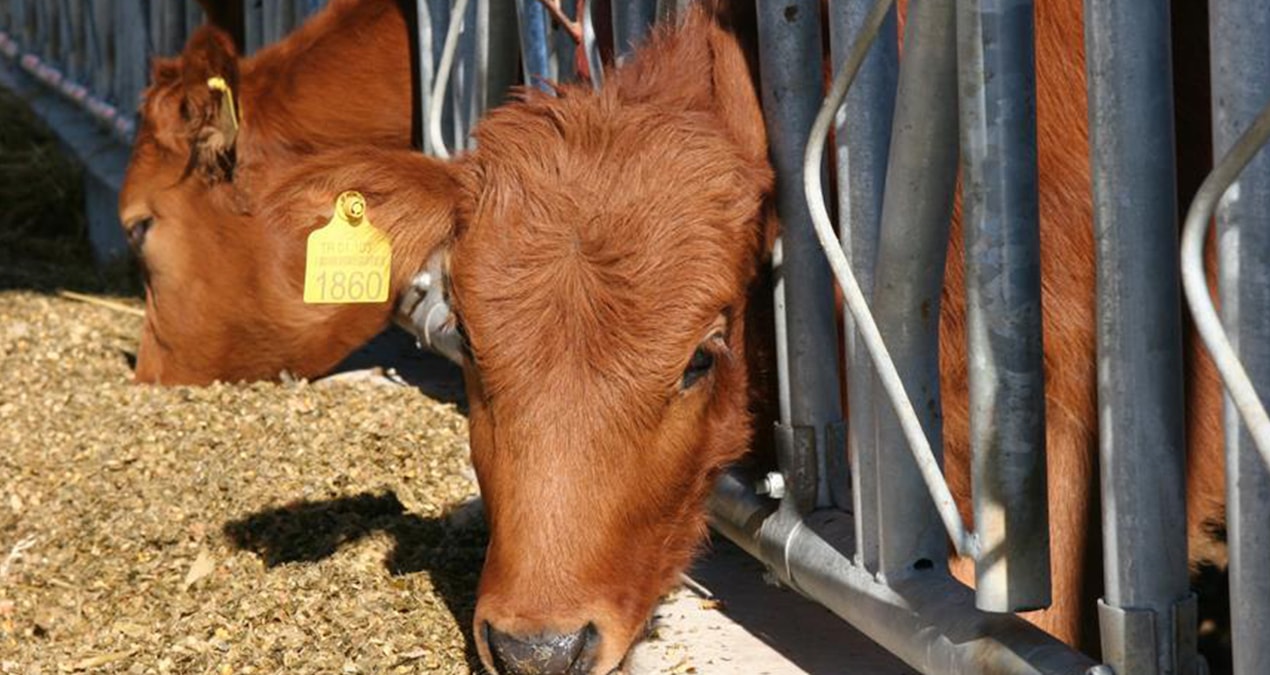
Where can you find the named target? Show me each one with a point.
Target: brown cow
(222, 285)
(606, 254)
(606, 271)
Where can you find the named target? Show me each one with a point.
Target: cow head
(216, 134)
(605, 247)
(602, 270)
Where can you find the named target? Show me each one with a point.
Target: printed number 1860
(349, 287)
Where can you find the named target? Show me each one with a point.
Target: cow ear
(700, 65)
(209, 108)
(411, 197)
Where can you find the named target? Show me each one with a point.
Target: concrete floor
(745, 626)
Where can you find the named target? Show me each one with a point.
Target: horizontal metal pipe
(1003, 303)
(925, 618)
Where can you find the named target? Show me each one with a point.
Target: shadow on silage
(310, 531)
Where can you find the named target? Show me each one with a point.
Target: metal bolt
(772, 485)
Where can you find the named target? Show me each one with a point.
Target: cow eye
(698, 367)
(137, 234)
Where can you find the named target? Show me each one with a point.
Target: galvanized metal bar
(306, 8)
(631, 21)
(863, 137)
(534, 55)
(253, 26)
(926, 618)
(462, 93)
(789, 60)
(1001, 219)
(669, 10)
(172, 37)
(563, 49)
(1143, 456)
(132, 67)
(101, 51)
(591, 46)
(193, 19)
(440, 96)
(1240, 56)
(912, 248)
(853, 296)
(503, 67)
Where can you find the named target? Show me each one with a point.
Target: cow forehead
(601, 244)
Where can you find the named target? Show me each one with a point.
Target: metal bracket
(1129, 639)
(424, 311)
(796, 455)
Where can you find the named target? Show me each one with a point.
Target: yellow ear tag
(219, 84)
(348, 260)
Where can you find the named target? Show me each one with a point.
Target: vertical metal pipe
(591, 45)
(503, 71)
(156, 12)
(863, 136)
(564, 51)
(101, 48)
(464, 80)
(1142, 451)
(193, 19)
(631, 21)
(426, 66)
(997, 76)
(307, 8)
(668, 10)
(131, 57)
(534, 58)
(253, 26)
(173, 38)
(1240, 56)
(789, 59)
(921, 176)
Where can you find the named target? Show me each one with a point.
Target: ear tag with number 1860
(348, 260)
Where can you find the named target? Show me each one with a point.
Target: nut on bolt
(772, 485)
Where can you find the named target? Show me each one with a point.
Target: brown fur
(562, 348)
(598, 240)
(222, 298)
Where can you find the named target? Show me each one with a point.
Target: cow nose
(544, 654)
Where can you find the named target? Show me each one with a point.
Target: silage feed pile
(231, 529)
(264, 528)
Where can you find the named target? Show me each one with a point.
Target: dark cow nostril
(545, 654)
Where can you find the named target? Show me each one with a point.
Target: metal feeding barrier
(864, 517)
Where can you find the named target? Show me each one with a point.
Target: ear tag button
(349, 260)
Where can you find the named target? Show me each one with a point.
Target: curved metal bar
(963, 540)
(437, 101)
(1194, 283)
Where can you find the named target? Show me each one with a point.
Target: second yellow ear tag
(348, 260)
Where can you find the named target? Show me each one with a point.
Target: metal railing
(857, 529)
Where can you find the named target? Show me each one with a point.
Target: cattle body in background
(606, 270)
(223, 285)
